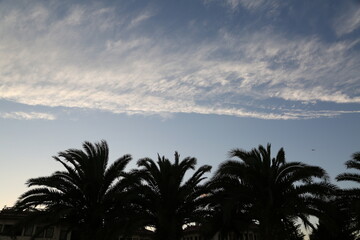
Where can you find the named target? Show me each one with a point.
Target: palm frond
(349, 177)
(86, 194)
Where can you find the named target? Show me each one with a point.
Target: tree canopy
(97, 200)
(167, 199)
(88, 196)
(275, 193)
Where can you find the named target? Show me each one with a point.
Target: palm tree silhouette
(335, 222)
(167, 200)
(226, 210)
(276, 193)
(352, 195)
(88, 196)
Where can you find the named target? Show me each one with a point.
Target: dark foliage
(334, 222)
(271, 191)
(166, 199)
(351, 197)
(89, 196)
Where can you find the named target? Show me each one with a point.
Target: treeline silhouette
(99, 200)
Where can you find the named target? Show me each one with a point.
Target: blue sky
(197, 76)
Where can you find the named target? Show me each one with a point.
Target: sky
(196, 76)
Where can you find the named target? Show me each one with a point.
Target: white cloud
(141, 18)
(68, 64)
(270, 8)
(248, 4)
(348, 21)
(27, 115)
(75, 16)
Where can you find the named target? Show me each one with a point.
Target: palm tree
(88, 196)
(167, 200)
(335, 222)
(274, 192)
(226, 210)
(352, 195)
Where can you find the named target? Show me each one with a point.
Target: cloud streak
(349, 20)
(91, 58)
(27, 115)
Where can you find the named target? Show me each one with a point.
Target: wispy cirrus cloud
(248, 4)
(89, 57)
(143, 16)
(268, 7)
(27, 115)
(349, 19)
